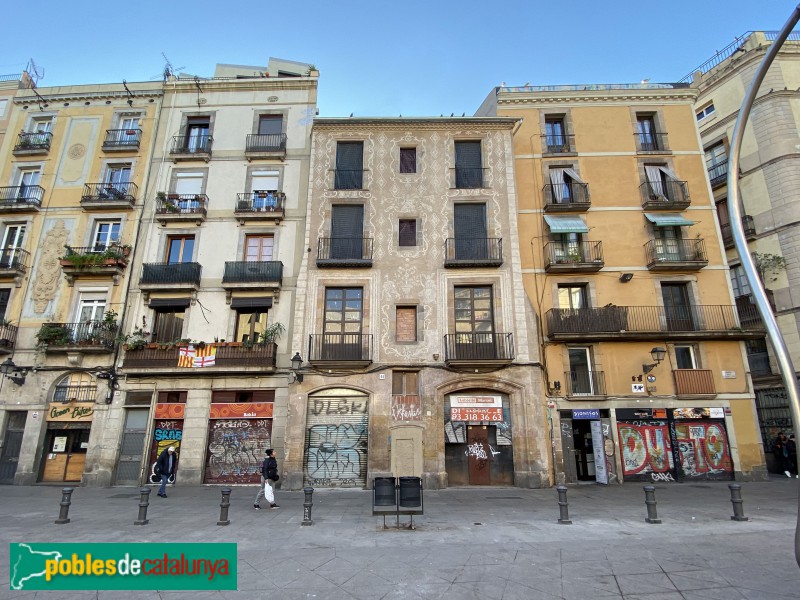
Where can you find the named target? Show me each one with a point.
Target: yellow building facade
(646, 378)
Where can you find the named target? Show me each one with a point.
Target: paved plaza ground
(470, 543)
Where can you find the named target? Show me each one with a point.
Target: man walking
(165, 465)
(269, 473)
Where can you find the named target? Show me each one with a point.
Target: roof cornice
(406, 122)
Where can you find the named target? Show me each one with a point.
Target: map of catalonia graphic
(29, 564)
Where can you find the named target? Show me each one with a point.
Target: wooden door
(478, 453)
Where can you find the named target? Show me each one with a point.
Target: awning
(169, 303)
(251, 303)
(668, 220)
(566, 224)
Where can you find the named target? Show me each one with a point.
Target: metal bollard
(563, 506)
(144, 502)
(66, 495)
(307, 503)
(650, 500)
(223, 507)
(736, 500)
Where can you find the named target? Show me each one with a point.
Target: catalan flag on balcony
(205, 357)
(186, 356)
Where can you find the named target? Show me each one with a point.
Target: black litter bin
(410, 494)
(384, 491)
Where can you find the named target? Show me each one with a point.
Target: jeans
(162, 491)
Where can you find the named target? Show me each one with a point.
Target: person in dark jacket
(166, 465)
(269, 473)
(781, 452)
(791, 450)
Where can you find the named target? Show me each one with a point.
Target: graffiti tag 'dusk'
(336, 452)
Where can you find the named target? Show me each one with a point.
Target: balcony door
(474, 321)
(264, 187)
(105, 234)
(347, 231)
(258, 248)
(12, 244)
(197, 135)
(685, 357)
(129, 126)
(647, 132)
(469, 171)
(168, 325)
(555, 135)
(580, 372)
(28, 182)
(677, 307)
(189, 186)
(270, 125)
(668, 244)
(180, 249)
(344, 312)
(250, 324)
(91, 309)
(469, 225)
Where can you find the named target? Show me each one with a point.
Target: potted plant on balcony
(53, 335)
(136, 339)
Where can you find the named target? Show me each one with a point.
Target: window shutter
(468, 155)
(469, 225)
(408, 160)
(408, 232)
(4, 295)
(349, 165)
(347, 231)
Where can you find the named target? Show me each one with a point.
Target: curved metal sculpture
(759, 295)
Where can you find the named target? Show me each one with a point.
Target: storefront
(167, 431)
(239, 434)
(587, 445)
(478, 439)
(337, 425)
(66, 441)
(659, 444)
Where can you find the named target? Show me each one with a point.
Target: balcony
(664, 195)
(340, 350)
(228, 357)
(95, 261)
(260, 205)
(258, 275)
(478, 350)
(651, 142)
(91, 337)
(180, 208)
(468, 178)
(191, 147)
(748, 313)
(694, 382)
(718, 174)
(171, 277)
(340, 252)
(14, 264)
(573, 257)
(749, 231)
(265, 145)
(31, 144)
(566, 197)
(109, 196)
(75, 393)
(473, 252)
(580, 384)
(348, 179)
(21, 198)
(558, 144)
(122, 140)
(8, 338)
(697, 322)
(676, 255)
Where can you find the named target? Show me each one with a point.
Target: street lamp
(13, 372)
(297, 362)
(658, 355)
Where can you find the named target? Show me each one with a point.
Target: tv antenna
(34, 72)
(169, 70)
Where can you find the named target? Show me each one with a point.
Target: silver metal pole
(759, 295)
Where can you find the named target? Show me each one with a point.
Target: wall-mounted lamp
(13, 372)
(557, 386)
(297, 362)
(658, 355)
(626, 277)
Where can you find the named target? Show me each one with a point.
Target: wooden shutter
(469, 224)
(347, 231)
(349, 165)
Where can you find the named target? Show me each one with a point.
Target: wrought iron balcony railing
(651, 142)
(253, 272)
(690, 382)
(564, 197)
(227, 356)
(574, 255)
(8, 337)
(558, 144)
(718, 174)
(473, 252)
(191, 144)
(260, 201)
(14, 259)
(182, 204)
(666, 195)
(168, 274)
(340, 347)
(648, 321)
(748, 313)
(75, 393)
(110, 192)
(466, 178)
(748, 224)
(479, 347)
(266, 142)
(33, 141)
(21, 195)
(59, 336)
(122, 139)
(660, 253)
(584, 383)
(348, 179)
(344, 252)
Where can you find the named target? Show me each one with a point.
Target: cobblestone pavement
(470, 543)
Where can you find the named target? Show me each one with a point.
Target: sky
(378, 58)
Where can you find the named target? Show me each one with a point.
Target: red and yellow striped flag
(205, 357)
(186, 356)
